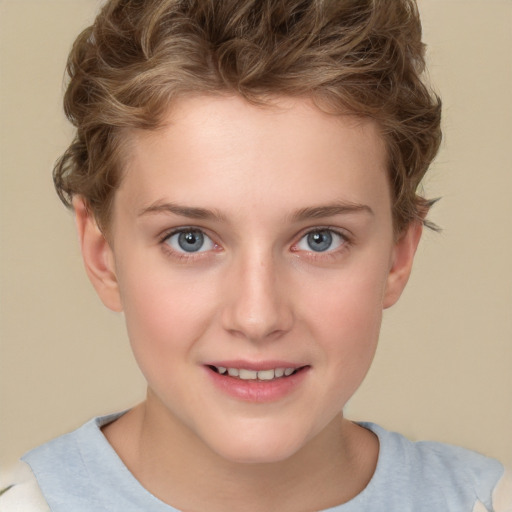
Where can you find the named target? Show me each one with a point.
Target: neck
(175, 465)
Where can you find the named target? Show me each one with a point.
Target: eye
(321, 240)
(190, 241)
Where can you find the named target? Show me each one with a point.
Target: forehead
(219, 150)
(206, 119)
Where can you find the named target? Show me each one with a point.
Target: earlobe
(97, 255)
(401, 263)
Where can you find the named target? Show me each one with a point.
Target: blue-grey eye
(190, 240)
(321, 240)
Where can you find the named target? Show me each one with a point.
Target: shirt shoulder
(20, 492)
(80, 472)
(429, 475)
(467, 471)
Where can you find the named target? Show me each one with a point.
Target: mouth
(270, 374)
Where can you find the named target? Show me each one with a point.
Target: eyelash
(184, 256)
(328, 255)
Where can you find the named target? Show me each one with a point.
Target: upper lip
(256, 365)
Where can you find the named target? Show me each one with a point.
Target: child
(244, 179)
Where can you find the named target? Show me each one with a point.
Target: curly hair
(363, 57)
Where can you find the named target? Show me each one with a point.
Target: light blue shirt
(80, 472)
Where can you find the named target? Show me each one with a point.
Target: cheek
(350, 300)
(346, 315)
(164, 317)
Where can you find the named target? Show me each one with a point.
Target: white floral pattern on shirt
(501, 496)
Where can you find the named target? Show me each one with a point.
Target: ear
(97, 255)
(401, 262)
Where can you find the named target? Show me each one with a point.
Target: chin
(267, 447)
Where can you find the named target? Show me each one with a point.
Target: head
(364, 58)
(244, 176)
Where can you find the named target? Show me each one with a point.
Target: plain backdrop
(443, 370)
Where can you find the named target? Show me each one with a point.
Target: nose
(257, 306)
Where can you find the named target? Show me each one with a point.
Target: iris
(319, 241)
(191, 241)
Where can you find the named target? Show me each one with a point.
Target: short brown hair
(364, 57)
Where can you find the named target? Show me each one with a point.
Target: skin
(264, 178)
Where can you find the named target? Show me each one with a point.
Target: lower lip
(259, 391)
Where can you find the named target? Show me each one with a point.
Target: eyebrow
(313, 212)
(184, 211)
(330, 210)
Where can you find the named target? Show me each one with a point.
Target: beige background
(444, 367)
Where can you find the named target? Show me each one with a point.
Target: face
(252, 252)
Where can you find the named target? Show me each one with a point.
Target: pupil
(320, 241)
(191, 241)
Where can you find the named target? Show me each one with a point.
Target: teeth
(247, 374)
(244, 374)
(266, 374)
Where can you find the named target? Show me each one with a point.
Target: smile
(257, 382)
(245, 374)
